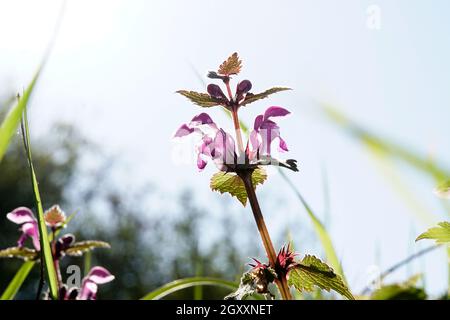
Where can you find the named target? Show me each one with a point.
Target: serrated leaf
(311, 272)
(78, 248)
(250, 97)
(441, 233)
(230, 182)
(443, 190)
(201, 99)
(231, 66)
(19, 252)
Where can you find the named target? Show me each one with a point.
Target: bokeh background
(104, 112)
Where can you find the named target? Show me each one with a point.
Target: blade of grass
(12, 119)
(319, 228)
(420, 162)
(46, 253)
(181, 284)
(16, 282)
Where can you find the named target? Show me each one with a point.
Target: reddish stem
(267, 242)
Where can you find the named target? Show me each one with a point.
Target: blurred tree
(149, 246)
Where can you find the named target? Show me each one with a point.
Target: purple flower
(265, 131)
(219, 146)
(29, 227)
(215, 144)
(89, 286)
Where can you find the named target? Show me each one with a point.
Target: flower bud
(242, 88)
(215, 92)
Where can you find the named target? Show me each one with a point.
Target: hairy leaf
(250, 97)
(19, 252)
(230, 182)
(201, 99)
(78, 248)
(311, 272)
(231, 66)
(441, 233)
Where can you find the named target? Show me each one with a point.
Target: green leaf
(46, 251)
(230, 182)
(19, 252)
(319, 228)
(443, 190)
(200, 99)
(15, 284)
(312, 272)
(231, 66)
(78, 248)
(181, 284)
(441, 233)
(10, 123)
(400, 291)
(250, 97)
(253, 282)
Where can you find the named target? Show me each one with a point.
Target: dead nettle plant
(48, 247)
(241, 169)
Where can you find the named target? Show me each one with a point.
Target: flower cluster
(55, 219)
(219, 146)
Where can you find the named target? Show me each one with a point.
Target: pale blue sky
(116, 64)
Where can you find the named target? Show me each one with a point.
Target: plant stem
(237, 126)
(267, 242)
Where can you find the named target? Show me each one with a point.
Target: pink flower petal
(21, 215)
(183, 131)
(275, 112)
(100, 275)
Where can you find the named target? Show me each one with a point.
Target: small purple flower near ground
(25, 218)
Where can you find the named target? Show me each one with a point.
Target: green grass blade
(44, 239)
(420, 162)
(320, 230)
(15, 284)
(12, 119)
(181, 284)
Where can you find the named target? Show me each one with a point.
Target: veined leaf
(201, 99)
(181, 284)
(17, 281)
(231, 183)
(10, 123)
(19, 252)
(43, 235)
(231, 66)
(319, 228)
(312, 272)
(441, 233)
(78, 248)
(250, 97)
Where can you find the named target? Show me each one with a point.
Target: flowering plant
(241, 170)
(66, 245)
